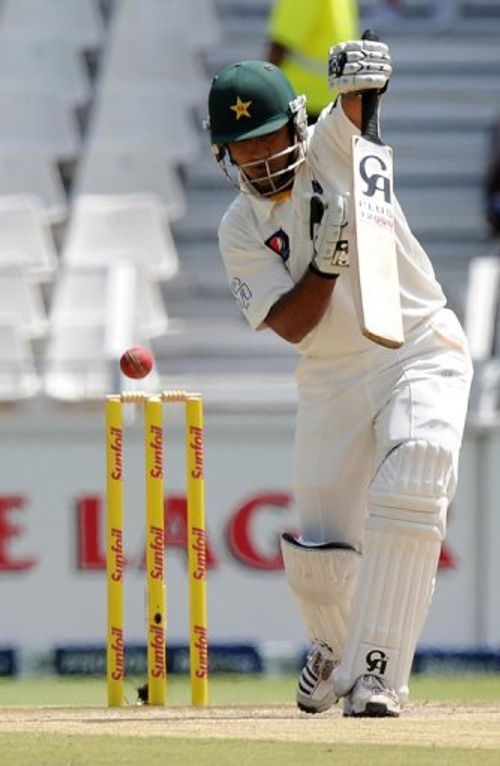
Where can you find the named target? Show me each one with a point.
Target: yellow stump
(196, 551)
(155, 546)
(155, 552)
(115, 560)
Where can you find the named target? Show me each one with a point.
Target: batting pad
(322, 579)
(403, 534)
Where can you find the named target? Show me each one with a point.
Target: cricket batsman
(378, 430)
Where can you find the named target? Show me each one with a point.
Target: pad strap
(322, 579)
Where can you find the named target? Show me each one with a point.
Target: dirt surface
(431, 724)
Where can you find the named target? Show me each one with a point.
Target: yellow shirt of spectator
(307, 29)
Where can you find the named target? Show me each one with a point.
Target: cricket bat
(374, 261)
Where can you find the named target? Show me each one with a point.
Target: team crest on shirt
(279, 243)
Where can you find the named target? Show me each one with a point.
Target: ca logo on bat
(376, 182)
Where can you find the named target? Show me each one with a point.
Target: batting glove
(329, 236)
(359, 65)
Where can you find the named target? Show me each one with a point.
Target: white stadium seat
(26, 237)
(38, 122)
(51, 65)
(18, 375)
(83, 295)
(36, 176)
(77, 21)
(123, 120)
(77, 367)
(481, 308)
(194, 22)
(21, 300)
(110, 227)
(113, 173)
(163, 61)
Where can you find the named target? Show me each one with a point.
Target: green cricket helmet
(251, 99)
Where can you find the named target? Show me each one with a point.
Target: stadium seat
(481, 306)
(26, 237)
(86, 295)
(76, 366)
(49, 65)
(130, 172)
(18, 375)
(77, 21)
(37, 122)
(36, 176)
(110, 227)
(163, 61)
(194, 22)
(227, 338)
(133, 120)
(21, 300)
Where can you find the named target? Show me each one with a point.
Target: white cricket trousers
(354, 410)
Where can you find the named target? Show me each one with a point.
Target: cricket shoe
(315, 691)
(371, 698)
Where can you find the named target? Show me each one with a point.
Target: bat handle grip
(369, 104)
(316, 214)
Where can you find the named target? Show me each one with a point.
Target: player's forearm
(351, 104)
(297, 312)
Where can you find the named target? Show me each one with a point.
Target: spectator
(492, 183)
(299, 40)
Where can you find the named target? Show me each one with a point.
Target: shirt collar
(264, 206)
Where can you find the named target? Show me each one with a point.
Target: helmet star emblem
(240, 108)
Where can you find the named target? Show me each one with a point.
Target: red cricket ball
(136, 362)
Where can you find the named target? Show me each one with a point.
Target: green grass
(52, 750)
(456, 688)
(229, 690)
(29, 748)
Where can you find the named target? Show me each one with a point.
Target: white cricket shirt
(266, 248)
